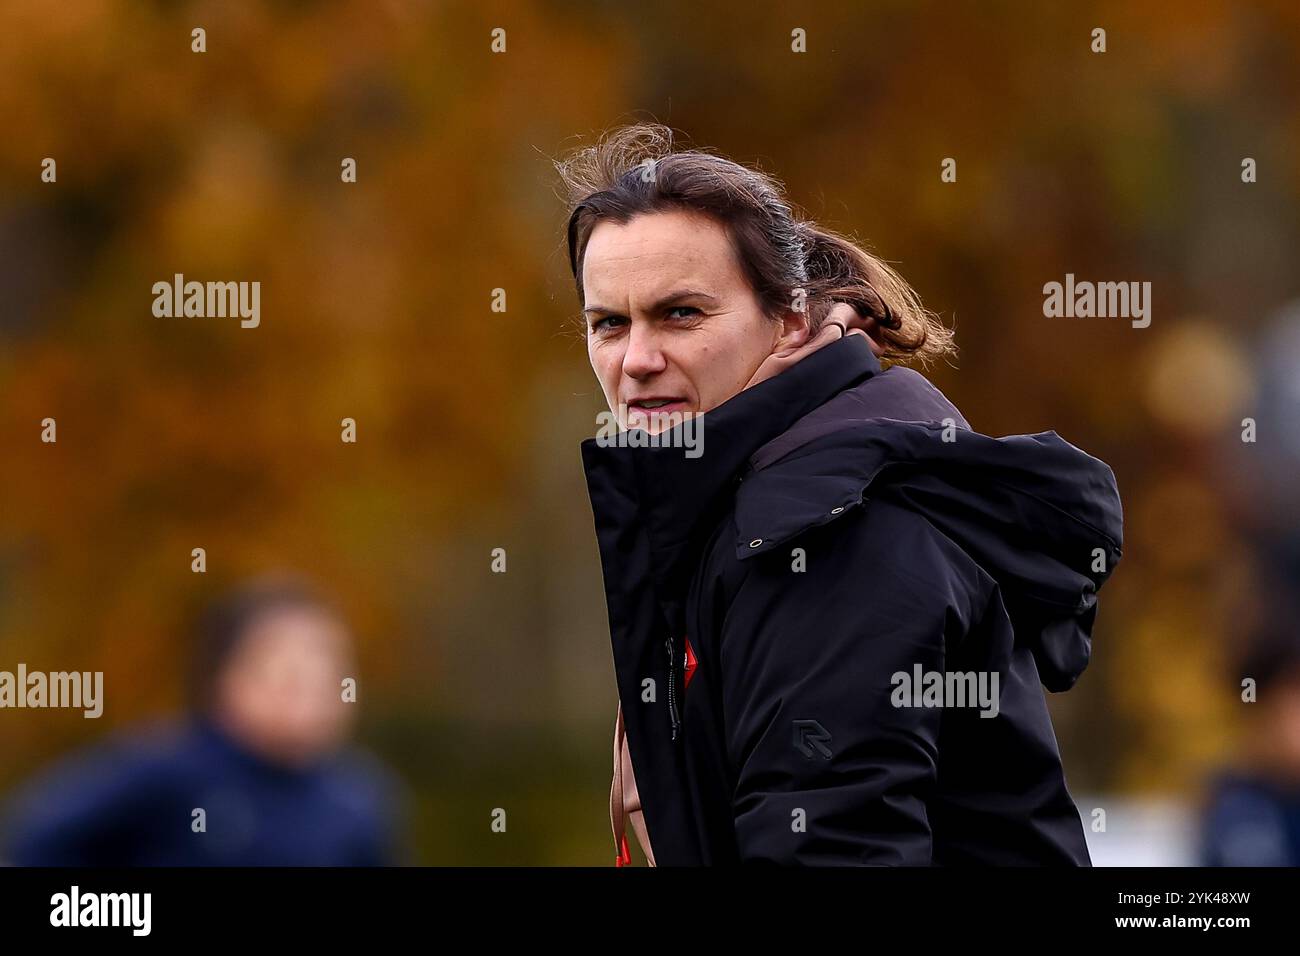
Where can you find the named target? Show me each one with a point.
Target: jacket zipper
(671, 648)
(672, 685)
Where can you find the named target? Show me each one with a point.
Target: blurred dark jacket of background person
(258, 776)
(1252, 813)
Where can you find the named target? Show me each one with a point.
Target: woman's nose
(644, 355)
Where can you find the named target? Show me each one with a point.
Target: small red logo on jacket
(690, 664)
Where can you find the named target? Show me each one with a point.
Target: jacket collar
(669, 494)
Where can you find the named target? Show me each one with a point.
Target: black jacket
(926, 550)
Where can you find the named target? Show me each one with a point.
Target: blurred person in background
(256, 777)
(1252, 812)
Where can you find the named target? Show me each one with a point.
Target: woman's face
(279, 694)
(672, 323)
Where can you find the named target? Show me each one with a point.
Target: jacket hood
(1040, 516)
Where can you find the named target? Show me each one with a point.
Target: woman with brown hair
(833, 624)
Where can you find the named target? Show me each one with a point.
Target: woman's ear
(794, 332)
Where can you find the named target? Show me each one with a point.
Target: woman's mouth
(657, 405)
(653, 410)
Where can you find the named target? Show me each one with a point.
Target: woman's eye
(606, 324)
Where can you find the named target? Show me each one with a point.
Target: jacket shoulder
(868, 541)
(816, 484)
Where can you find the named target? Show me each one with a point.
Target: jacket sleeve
(828, 770)
(82, 812)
